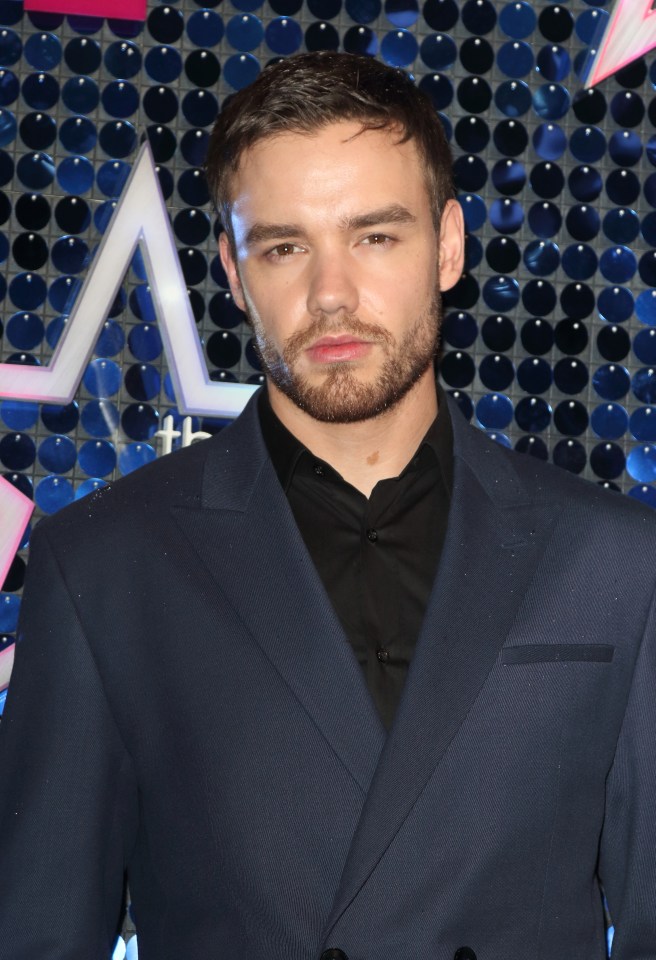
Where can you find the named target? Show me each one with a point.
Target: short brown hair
(308, 91)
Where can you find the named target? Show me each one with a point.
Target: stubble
(341, 397)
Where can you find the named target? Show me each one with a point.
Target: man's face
(337, 269)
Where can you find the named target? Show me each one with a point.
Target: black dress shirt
(377, 557)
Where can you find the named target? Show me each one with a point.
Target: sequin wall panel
(550, 337)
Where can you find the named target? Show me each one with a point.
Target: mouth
(338, 341)
(339, 349)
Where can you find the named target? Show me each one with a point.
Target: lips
(339, 349)
(337, 341)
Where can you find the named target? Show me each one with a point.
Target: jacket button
(334, 954)
(464, 953)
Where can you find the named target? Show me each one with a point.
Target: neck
(370, 450)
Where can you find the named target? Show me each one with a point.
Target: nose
(333, 288)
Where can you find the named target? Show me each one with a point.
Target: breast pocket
(558, 653)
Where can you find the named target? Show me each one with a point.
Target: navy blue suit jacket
(185, 704)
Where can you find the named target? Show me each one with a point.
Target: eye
(377, 239)
(282, 250)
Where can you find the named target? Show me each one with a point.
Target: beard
(342, 397)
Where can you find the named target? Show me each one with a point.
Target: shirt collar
(286, 451)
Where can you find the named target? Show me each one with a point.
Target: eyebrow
(393, 213)
(262, 232)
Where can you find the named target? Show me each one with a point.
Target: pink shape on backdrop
(6, 664)
(116, 9)
(15, 512)
(630, 34)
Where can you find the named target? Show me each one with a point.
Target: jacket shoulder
(176, 478)
(510, 478)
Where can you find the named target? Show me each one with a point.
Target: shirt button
(372, 535)
(318, 469)
(382, 655)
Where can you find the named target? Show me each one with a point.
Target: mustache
(323, 326)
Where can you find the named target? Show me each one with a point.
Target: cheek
(403, 296)
(267, 314)
(280, 301)
(407, 279)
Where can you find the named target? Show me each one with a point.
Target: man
(349, 680)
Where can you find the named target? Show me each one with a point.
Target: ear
(227, 255)
(452, 244)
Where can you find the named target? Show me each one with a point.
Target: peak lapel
(494, 541)
(245, 534)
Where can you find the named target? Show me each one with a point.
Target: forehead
(327, 169)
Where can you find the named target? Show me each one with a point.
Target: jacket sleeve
(627, 862)
(67, 789)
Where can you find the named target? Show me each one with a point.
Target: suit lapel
(244, 523)
(493, 543)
